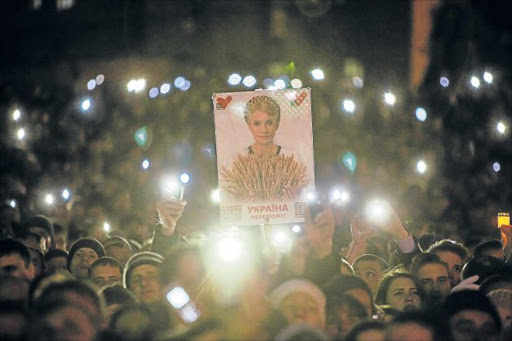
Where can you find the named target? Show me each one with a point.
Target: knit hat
(89, 242)
(40, 221)
(117, 241)
(296, 285)
(145, 257)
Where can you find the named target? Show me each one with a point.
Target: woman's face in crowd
(403, 295)
(263, 127)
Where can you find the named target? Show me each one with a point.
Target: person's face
(263, 127)
(345, 319)
(36, 259)
(364, 298)
(434, 281)
(70, 323)
(13, 265)
(119, 253)
(505, 313)
(44, 235)
(409, 331)
(403, 295)
(472, 325)
(300, 307)
(81, 261)
(61, 241)
(370, 272)
(56, 264)
(144, 283)
(107, 275)
(454, 263)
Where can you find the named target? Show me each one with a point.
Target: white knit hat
(296, 285)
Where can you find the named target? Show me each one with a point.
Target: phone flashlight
(503, 219)
(172, 189)
(377, 211)
(179, 299)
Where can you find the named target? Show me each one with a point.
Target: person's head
(367, 331)
(370, 268)
(34, 244)
(14, 321)
(471, 316)
(495, 282)
(184, 267)
(432, 277)
(63, 321)
(351, 285)
(413, 326)
(262, 114)
(119, 248)
(116, 297)
(106, 271)
(484, 267)
(56, 260)
(343, 314)
(42, 226)
(398, 289)
(301, 332)
(142, 276)
(300, 301)
(14, 289)
(453, 254)
(491, 248)
(60, 237)
(502, 301)
(15, 260)
(82, 254)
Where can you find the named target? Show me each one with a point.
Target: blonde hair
(262, 103)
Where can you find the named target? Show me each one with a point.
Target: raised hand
(169, 212)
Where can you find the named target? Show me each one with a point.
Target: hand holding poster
(264, 155)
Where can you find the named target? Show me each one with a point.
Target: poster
(265, 162)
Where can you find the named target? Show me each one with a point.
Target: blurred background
(411, 100)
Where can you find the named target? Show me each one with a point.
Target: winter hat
(40, 221)
(117, 241)
(296, 285)
(469, 300)
(145, 257)
(89, 242)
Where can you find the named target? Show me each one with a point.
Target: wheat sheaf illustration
(261, 178)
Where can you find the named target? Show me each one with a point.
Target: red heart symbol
(301, 98)
(223, 102)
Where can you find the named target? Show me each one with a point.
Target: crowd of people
(234, 285)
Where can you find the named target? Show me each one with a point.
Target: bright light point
(421, 167)
(280, 84)
(421, 114)
(86, 104)
(153, 92)
(234, 79)
(91, 84)
(445, 82)
(317, 74)
(358, 82)
(136, 85)
(377, 211)
(145, 164)
(496, 166)
(100, 79)
(106, 227)
(65, 194)
(389, 98)
(165, 88)
(291, 95)
(344, 197)
(215, 196)
(296, 229)
(349, 105)
(21, 134)
(229, 250)
(280, 238)
(249, 81)
(16, 114)
(12, 203)
(185, 86)
(178, 297)
(488, 77)
(49, 199)
(475, 82)
(179, 82)
(184, 178)
(310, 196)
(501, 127)
(296, 83)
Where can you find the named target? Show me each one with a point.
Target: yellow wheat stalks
(261, 178)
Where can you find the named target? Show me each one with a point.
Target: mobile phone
(503, 219)
(179, 299)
